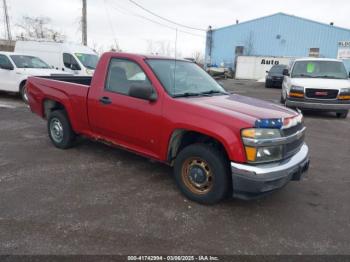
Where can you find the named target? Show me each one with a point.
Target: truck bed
(83, 80)
(69, 91)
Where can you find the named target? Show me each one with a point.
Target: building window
(239, 50)
(314, 52)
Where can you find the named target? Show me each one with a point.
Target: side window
(122, 74)
(70, 62)
(5, 62)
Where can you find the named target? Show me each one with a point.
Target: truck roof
(145, 56)
(317, 59)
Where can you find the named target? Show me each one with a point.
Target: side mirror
(7, 67)
(142, 91)
(285, 72)
(267, 72)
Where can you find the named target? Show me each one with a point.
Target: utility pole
(83, 24)
(7, 21)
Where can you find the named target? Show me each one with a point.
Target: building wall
(276, 35)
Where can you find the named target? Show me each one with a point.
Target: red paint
(146, 127)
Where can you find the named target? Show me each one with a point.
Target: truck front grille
(321, 93)
(293, 147)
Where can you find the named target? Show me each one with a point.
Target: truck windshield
(88, 60)
(23, 61)
(182, 78)
(319, 69)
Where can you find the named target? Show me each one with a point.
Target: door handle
(105, 100)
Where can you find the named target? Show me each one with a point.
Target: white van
(318, 84)
(75, 59)
(15, 68)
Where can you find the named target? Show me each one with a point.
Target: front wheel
(202, 173)
(23, 93)
(60, 130)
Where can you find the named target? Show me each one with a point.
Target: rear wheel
(343, 114)
(202, 173)
(60, 130)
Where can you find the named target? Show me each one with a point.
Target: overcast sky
(120, 19)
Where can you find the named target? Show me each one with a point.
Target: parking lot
(94, 199)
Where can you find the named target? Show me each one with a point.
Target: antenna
(7, 21)
(175, 60)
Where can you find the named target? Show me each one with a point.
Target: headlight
(261, 154)
(296, 91)
(344, 94)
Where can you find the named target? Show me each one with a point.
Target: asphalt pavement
(95, 199)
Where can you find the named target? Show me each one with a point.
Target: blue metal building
(275, 35)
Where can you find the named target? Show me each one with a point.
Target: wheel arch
(180, 138)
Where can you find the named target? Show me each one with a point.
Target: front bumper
(254, 181)
(330, 105)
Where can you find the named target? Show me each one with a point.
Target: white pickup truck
(317, 84)
(16, 68)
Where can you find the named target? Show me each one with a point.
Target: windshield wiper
(306, 76)
(187, 94)
(326, 76)
(213, 92)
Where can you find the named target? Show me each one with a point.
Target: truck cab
(317, 84)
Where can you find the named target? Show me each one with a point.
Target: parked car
(219, 144)
(15, 69)
(317, 84)
(274, 77)
(72, 58)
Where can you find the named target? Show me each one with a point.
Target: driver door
(128, 121)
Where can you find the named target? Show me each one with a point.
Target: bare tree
(198, 57)
(162, 47)
(115, 47)
(38, 28)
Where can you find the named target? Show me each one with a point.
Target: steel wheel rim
(56, 130)
(188, 174)
(25, 95)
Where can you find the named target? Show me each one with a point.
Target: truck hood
(321, 83)
(39, 71)
(244, 108)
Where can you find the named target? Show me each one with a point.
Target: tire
(342, 114)
(203, 158)
(23, 92)
(60, 130)
(267, 85)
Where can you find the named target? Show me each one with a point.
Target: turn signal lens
(344, 97)
(292, 94)
(251, 153)
(249, 133)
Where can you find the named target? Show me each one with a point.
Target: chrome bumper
(318, 105)
(252, 181)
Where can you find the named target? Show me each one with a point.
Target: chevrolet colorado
(219, 144)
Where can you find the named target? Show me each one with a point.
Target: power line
(127, 12)
(165, 19)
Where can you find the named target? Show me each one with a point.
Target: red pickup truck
(219, 144)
